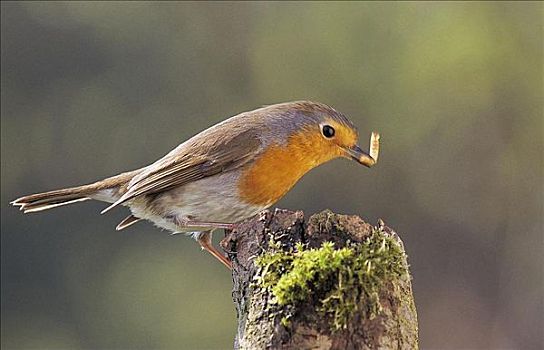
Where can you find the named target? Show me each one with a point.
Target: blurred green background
(92, 89)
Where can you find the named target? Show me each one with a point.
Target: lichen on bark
(334, 282)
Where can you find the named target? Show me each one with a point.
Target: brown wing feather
(199, 158)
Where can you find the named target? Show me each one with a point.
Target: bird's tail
(107, 190)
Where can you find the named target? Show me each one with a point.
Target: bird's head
(297, 136)
(315, 133)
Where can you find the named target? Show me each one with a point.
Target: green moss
(339, 281)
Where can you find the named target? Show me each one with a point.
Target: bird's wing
(194, 160)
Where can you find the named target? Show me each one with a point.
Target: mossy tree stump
(335, 282)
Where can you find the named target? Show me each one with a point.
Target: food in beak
(364, 158)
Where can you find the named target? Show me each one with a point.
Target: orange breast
(275, 172)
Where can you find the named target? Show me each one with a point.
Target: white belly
(213, 199)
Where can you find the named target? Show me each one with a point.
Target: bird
(225, 174)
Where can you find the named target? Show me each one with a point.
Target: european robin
(226, 173)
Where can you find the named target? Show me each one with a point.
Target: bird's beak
(367, 159)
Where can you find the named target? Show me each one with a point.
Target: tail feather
(107, 190)
(128, 221)
(52, 199)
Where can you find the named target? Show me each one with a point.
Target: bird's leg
(205, 241)
(213, 225)
(187, 222)
(210, 224)
(204, 238)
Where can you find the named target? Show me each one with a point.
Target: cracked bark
(260, 325)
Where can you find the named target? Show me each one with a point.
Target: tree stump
(334, 282)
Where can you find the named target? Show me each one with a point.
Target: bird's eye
(328, 131)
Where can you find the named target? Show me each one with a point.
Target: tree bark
(288, 297)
